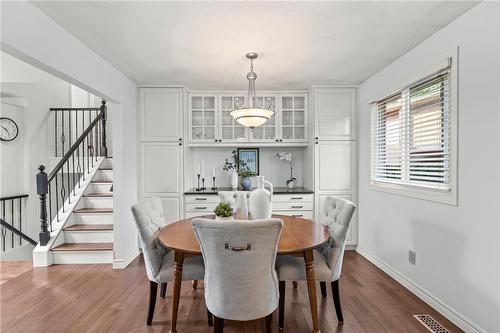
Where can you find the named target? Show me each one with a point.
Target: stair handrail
(6, 203)
(92, 140)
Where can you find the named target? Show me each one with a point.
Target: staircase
(87, 237)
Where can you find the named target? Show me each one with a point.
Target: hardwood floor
(96, 298)
(12, 269)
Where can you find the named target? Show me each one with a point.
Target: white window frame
(431, 194)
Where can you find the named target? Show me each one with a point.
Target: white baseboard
(123, 263)
(438, 305)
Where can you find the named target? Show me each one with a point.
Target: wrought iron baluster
(104, 110)
(63, 136)
(73, 154)
(50, 206)
(55, 132)
(69, 185)
(4, 231)
(63, 190)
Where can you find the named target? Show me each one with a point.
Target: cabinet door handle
(297, 206)
(297, 198)
(200, 199)
(297, 215)
(200, 207)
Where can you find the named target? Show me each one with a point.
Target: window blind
(410, 135)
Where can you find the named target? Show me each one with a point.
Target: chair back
(149, 219)
(240, 277)
(337, 215)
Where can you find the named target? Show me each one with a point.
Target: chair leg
(218, 325)
(195, 284)
(322, 286)
(336, 301)
(153, 289)
(282, 287)
(294, 283)
(209, 316)
(269, 320)
(163, 290)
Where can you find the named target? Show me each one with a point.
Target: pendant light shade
(251, 114)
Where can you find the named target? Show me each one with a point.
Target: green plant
(223, 209)
(235, 164)
(246, 173)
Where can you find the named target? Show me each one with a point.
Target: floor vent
(431, 324)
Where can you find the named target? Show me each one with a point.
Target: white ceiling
(202, 44)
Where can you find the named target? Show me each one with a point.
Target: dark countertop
(277, 190)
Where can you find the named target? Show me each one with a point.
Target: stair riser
(98, 188)
(95, 203)
(103, 175)
(88, 236)
(82, 257)
(90, 219)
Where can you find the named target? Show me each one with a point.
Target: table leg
(179, 260)
(311, 288)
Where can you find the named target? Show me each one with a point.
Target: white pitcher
(261, 200)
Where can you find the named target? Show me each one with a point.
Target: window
(411, 138)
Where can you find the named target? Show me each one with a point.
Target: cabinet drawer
(283, 206)
(200, 207)
(293, 198)
(188, 215)
(201, 198)
(307, 214)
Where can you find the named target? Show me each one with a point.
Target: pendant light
(252, 114)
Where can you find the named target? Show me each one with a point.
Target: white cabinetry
(334, 113)
(334, 141)
(161, 147)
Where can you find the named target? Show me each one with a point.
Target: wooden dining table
(299, 237)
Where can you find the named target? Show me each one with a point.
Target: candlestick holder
(213, 184)
(198, 186)
(203, 188)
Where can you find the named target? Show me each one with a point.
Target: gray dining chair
(240, 277)
(336, 215)
(159, 261)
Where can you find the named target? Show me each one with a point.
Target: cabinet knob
(317, 138)
(215, 140)
(220, 140)
(316, 142)
(281, 140)
(180, 143)
(277, 140)
(180, 139)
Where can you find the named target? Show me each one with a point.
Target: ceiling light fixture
(252, 114)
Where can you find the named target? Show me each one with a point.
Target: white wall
(31, 36)
(458, 247)
(270, 166)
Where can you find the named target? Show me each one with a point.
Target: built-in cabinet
(161, 147)
(210, 123)
(333, 122)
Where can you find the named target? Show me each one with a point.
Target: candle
(202, 169)
(213, 172)
(198, 171)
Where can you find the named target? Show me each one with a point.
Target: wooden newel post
(103, 136)
(42, 190)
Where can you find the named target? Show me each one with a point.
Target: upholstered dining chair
(240, 277)
(336, 215)
(159, 261)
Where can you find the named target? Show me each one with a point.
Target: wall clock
(8, 129)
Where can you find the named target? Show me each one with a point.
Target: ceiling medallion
(251, 113)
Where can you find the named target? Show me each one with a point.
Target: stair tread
(100, 194)
(89, 227)
(102, 182)
(84, 247)
(94, 210)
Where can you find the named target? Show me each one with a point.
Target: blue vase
(246, 183)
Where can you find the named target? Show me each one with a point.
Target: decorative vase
(242, 207)
(222, 218)
(260, 201)
(234, 179)
(246, 183)
(290, 183)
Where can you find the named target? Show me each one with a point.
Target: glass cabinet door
(266, 132)
(203, 121)
(230, 130)
(293, 120)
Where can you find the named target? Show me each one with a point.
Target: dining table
(299, 237)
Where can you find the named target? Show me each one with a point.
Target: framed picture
(251, 157)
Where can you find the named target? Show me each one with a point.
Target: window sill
(429, 194)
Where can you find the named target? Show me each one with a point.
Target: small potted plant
(233, 166)
(245, 175)
(223, 211)
(284, 156)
